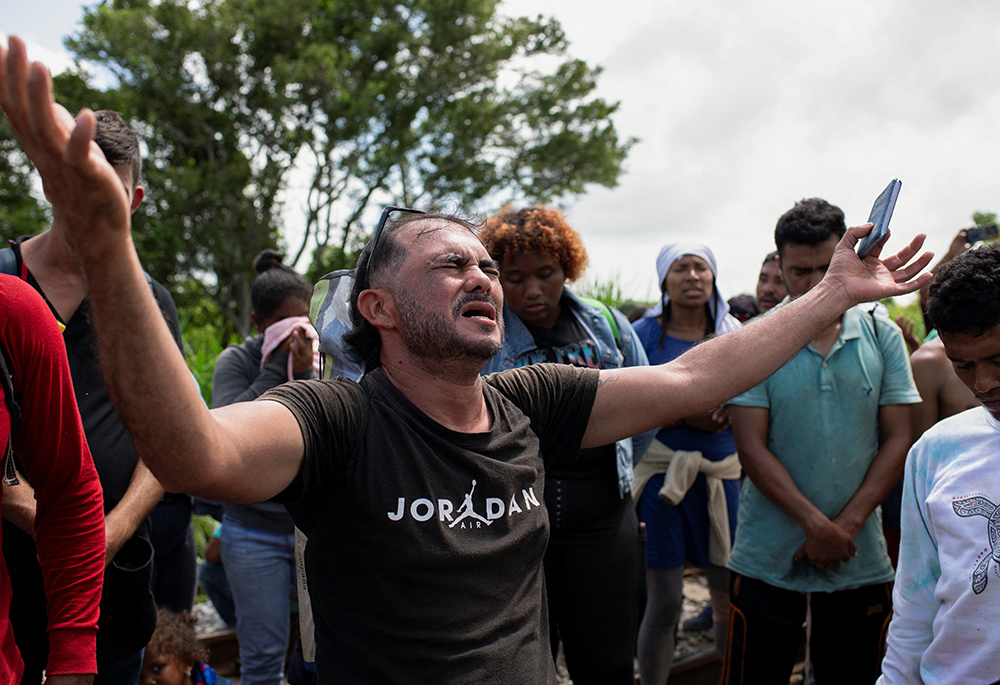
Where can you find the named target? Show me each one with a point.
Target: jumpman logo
(977, 505)
(467, 510)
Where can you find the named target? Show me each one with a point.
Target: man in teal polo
(822, 441)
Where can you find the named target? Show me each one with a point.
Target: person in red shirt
(67, 507)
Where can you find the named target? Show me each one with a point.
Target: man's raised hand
(87, 196)
(872, 278)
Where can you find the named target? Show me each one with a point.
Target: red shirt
(69, 519)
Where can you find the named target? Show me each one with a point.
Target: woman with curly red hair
(593, 565)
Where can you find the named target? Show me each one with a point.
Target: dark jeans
(765, 628)
(27, 611)
(593, 572)
(175, 563)
(124, 671)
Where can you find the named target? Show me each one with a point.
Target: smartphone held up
(879, 218)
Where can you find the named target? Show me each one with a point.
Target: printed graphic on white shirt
(978, 505)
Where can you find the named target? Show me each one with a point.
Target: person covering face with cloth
(593, 565)
(687, 487)
(258, 541)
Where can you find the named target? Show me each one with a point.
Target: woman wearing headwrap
(687, 487)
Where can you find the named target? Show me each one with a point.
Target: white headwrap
(717, 305)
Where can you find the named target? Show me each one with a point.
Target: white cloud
(745, 107)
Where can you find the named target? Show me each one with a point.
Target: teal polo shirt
(823, 428)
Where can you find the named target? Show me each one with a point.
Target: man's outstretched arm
(632, 400)
(242, 453)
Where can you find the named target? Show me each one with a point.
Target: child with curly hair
(174, 656)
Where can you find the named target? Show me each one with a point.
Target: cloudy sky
(744, 107)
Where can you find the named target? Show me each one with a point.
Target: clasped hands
(828, 543)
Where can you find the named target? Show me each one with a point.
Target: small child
(174, 656)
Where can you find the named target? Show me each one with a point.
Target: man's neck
(825, 341)
(56, 269)
(687, 323)
(453, 399)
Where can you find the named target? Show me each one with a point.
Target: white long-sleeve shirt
(946, 603)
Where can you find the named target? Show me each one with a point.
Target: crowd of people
(519, 467)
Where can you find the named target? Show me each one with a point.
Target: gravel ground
(208, 619)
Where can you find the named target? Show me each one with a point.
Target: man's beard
(432, 335)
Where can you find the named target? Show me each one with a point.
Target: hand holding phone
(879, 217)
(980, 233)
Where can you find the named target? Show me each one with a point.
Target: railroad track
(701, 668)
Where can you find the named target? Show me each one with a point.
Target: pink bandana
(279, 331)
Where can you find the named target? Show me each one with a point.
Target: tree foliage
(21, 212)
(411, 102)
(219, 135)
(980, 218)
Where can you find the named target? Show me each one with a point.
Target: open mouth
(479, 310)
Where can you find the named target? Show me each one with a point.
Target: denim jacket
(627, 352)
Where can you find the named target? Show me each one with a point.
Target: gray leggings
(664, 596)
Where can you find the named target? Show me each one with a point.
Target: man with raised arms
(411, 599)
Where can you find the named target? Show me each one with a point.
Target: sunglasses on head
(386, 213)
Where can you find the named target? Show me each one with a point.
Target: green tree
(435, 100)
(411, 102)
(220, 137)
(980, 218)
(21, 212)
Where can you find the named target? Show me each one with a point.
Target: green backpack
(606, 312)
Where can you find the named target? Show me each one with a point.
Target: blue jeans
(260, 566)
(213, 579)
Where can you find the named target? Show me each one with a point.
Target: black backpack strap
(8, 262)
(14, 409)
(8, 265)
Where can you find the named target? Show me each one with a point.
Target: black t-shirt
(564, 343)
(567, 342)
(110, 443)
(425, 545)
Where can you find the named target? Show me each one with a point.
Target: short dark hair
(809, 222)
(744, 307)
(771, 257)
(964, 297)
(118, 142)
(275, 284)
(364, 341)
